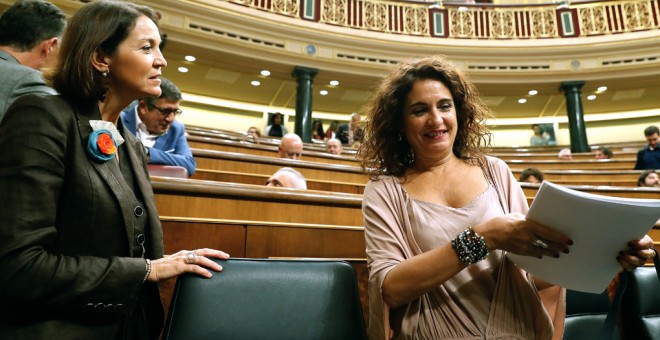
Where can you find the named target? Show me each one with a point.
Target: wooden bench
(237, 162)
(208, 143)
(259, 179)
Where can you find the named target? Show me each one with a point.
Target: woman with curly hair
(440, 216)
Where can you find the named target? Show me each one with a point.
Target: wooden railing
(458, 20)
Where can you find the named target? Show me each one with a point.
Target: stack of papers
(600, 227)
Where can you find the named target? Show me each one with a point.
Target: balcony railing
(434, 19)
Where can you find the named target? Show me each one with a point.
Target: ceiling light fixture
(602, 89)
(334, 82)
(591, 97)
(255, 83)
(533, 92)
(522, 100)
(323, 92)
(190, 58)
(265, 73)
(183, 69)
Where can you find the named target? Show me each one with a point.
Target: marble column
(576, 126)
(305, 78)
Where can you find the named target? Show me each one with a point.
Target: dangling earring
(411, 156)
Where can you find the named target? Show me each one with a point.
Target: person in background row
(153, 122)
(30, 35)
(538, 138)
(648, 158)
(333, 146)
(331, 132)
(317, 130)
(440, 216)
(603, 153)
(346, 132)
(531, 175)
(287, 178)
(81, 244)
(291, 146)
(648, 178)
(565, 154)
(276, 127)
(253, 133)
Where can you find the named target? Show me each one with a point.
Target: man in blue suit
(153, 122)
(30, 31)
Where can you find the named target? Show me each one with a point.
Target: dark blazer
(70, 262)
(342, 134)
(647, 159)
(18, 80)
(170, 149)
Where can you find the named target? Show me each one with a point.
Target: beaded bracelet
(469, 246)
(148, 271)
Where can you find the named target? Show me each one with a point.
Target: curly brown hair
(385, 151)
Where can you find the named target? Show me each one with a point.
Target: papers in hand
(600, 227)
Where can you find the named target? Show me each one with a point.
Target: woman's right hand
(186, 261)
(513, 233)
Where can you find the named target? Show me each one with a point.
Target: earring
(105, 73)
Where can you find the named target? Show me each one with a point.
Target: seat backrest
(641, 305)
(268, 299)
(585, 314)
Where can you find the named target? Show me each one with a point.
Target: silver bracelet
(148, 271)
(470, 246)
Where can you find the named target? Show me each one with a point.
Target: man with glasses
(153, 121)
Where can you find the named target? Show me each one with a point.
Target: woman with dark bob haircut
(81, 245)
(440, 216)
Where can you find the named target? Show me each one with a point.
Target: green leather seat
(641, 305)
(585, 314)
(268, 299)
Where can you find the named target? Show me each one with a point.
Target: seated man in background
(30, 33)
(333, 146)
(648, 179)
(287, 178)
(153, 122)
(531, 175)
(649, 157)
(291, 146)
(565, 154)
(603, 153)
(346, 132)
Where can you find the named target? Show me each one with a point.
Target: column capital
(304, 72)
(573, 85)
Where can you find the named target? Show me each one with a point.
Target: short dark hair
(28, 22)
(98, 26)
(169, 91)
(607, 152)
(525, 174)
(651, 130)
(384, 153)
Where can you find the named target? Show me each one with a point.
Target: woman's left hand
(637, 254)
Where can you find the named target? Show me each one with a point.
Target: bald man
(333, 146)
(287, 178)
(291, 146)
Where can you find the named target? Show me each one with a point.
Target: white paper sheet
(600, 227)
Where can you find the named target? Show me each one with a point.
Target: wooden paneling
(214, 200)
(602, 164)
(586, 175)
(236, 162)
(249, 148)
(259, 179)
(647, 193)
(270, 241)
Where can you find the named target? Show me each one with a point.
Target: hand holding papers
(600, 227)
